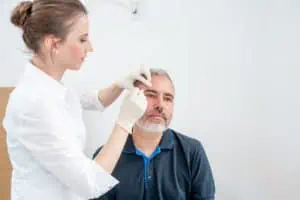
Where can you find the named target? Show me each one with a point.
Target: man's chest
(164, 177)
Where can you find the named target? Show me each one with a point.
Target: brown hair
(40, 18)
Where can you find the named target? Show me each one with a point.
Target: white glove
(83, 2)
(132, 109)
(128, 82)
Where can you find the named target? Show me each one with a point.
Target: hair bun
(21, 13)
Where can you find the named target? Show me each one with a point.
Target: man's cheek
(149, 107)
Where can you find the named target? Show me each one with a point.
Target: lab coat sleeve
(44, 134)
(90, 101)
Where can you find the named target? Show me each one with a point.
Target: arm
(108, 95)
(99, 100)
(110, 194)
(132, 108)
(105, 97)
(45, 134)
(110, 153)
(203, 186)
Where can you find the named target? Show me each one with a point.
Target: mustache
(161, 114)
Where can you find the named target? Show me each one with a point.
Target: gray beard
(151, 127)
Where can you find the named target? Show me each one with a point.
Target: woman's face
(73, 50)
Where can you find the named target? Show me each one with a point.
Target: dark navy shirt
(178, 169)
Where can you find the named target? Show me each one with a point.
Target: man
(158, 163)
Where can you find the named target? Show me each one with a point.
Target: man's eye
(169, 99)
(150, 95)
(83, 40)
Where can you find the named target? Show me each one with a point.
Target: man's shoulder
(187, 142)
(185, 138)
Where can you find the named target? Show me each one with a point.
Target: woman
(43, 121)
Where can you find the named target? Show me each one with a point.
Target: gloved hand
(132, 108)
(128, 81)
(83, 2)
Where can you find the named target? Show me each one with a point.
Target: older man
(158, 163)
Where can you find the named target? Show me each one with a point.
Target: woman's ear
(52, 43)
(56, 44)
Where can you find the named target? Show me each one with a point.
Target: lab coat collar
(47, 83)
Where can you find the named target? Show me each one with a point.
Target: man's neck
(146, 142)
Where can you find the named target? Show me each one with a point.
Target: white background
(235, 65)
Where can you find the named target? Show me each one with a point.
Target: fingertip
(134, 89)
(149, 78)
(141, 90)
(147, 72)
(148, 83)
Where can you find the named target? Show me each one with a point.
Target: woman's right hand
(142, 75)
(132, 108)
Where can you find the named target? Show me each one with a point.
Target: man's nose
(159, 108)
(159, 105)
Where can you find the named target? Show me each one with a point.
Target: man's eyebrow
(150, 90)
(169, 95)
(156, 92)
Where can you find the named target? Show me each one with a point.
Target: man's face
(159, 112)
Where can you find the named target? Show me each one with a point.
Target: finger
(141, 99)
(143, 80)
(134, 90)
(138, 91)
(146, 71)
(141, 92)
(129, 87)
(83, 2)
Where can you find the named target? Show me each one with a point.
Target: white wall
(235, 65)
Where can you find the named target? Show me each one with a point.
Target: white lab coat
(45, 140)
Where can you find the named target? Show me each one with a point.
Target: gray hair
(161, 72)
